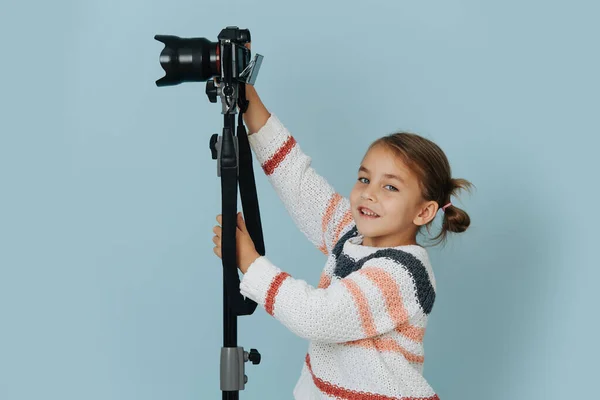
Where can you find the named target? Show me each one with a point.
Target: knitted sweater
(366, 319)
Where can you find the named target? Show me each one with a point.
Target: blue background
(109, 288)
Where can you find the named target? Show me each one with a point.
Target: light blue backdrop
(109, 288)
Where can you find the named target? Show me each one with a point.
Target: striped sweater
(366, 319)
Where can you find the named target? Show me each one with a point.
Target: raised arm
(256, 115)
(321, 213)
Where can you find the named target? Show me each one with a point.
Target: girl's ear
(427, 213)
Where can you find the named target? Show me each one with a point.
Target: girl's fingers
(241, 225)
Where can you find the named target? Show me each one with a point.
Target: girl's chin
(366, 230)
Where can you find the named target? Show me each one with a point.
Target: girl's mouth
(366, 213)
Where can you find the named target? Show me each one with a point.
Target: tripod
(197, 60)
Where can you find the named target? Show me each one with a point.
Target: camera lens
(188, 60)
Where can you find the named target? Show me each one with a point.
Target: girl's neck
(374, 242)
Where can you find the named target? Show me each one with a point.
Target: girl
(366, 320)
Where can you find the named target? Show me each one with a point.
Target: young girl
(366, 319)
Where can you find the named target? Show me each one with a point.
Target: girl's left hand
(246, 253)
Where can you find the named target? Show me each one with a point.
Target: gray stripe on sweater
(345, 266)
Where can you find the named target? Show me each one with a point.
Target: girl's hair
(429, 163)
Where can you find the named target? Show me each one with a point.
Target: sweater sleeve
(319, 212)
(376, 299)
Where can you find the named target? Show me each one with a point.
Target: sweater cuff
(257, 280)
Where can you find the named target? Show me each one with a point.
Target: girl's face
(386, 187)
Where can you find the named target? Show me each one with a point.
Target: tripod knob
(213, 146)
(211, 91)
(254, 356)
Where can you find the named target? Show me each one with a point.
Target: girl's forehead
(382, 158)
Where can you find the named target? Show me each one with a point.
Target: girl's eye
(393, 188)
(359, 179)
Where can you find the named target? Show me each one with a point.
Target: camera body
(235, 53)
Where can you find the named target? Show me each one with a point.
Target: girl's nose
(365, 194)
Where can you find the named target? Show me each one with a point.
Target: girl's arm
(256, 115)
(382, 296)
(321, 213)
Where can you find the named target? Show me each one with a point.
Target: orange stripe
(343, 223)
(393, 300)
(412, 332)
(271, 164)
(388, 345)
(331, 206)
(338, 392)
(325, 281)
(323, 249)
(273, 290)
(389, 288)
(360, 300)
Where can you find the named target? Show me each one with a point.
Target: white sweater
(366, 319)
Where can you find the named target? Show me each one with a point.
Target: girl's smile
(367, 213)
